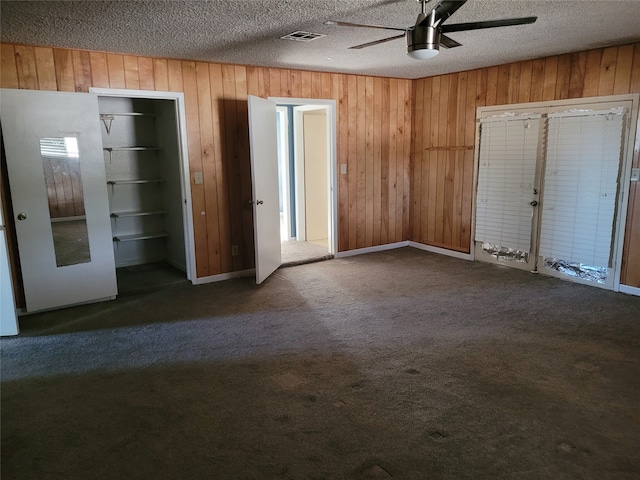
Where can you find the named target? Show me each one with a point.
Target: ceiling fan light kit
(423, 53)
(425, 38)
(423, 42)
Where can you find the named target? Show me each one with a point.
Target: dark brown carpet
(401, 364)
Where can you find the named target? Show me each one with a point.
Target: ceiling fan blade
(442, 11)
(388, 2)
(448, 8)
(461, 27)
(376, 42)
(349, 24)
(447, 42)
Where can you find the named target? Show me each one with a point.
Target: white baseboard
(378, 248)
(629, 290)
(441, 251)
(391, 246)
(251, 272)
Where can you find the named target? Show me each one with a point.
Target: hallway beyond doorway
(298, 253)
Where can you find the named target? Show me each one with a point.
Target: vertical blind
(506, 176)
(580, 186)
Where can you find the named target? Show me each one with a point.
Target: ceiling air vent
(302, 36)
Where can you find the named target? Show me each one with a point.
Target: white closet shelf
(138, 213)
(131, 149)
(123, 182)
(108, 118)
(129, 114)
(139, 236)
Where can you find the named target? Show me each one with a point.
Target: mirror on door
(61, 164)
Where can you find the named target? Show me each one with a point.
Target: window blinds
(580, 186)
(506, 175)
(65, 147)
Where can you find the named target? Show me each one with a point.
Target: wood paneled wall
(374, 138)
(408, 145)
(444, 135)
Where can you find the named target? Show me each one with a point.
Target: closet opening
(148, 189)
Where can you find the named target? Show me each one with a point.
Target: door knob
(533, 203)
(22, 216)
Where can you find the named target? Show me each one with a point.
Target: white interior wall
(167, 139)
(316, 175)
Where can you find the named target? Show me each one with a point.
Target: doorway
(263, 141)
(148, 189)
(305, 136)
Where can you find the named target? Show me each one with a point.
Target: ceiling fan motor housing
(423, 37)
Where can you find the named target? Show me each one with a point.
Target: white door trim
(299, 160)
(8, 318)
(283, 159)
(185, 175)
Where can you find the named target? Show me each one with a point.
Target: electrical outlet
(235, 251)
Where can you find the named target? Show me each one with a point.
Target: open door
(264, 178)
(59, 193)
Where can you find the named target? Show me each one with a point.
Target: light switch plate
(343, 168)
(197, 178)
(635, 174)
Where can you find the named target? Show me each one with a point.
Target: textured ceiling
(248, 32)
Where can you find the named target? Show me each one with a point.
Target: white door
(508, 191)
(264, 177)
(59, 192)
(580, 196)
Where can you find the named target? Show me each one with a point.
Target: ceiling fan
(428, 34)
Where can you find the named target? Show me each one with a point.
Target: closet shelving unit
(132, 211)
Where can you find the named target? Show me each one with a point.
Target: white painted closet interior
(141, 154)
